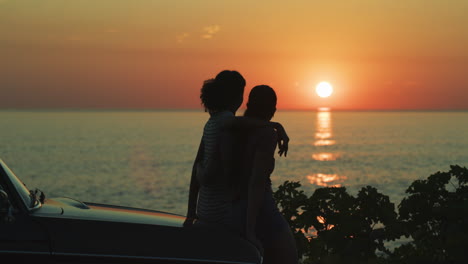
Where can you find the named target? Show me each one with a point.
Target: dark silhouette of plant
(332, 226)
(337, 226)
(435, 216)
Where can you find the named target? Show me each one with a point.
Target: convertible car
(65, 230)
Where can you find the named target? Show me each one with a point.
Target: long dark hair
(262, 102)
(223, 92)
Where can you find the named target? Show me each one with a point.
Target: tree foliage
(332, 226)
(435, 216)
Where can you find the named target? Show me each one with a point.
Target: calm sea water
(144, 158)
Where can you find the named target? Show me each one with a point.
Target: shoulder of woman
(268, 132)
(266, 136)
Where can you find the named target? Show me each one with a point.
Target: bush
(435, 216)
(332, 226)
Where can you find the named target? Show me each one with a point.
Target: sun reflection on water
(324, 132)
(323, 139)
(324, 156)
(324, 142)
(326, 180)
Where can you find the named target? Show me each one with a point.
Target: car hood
(64, 207)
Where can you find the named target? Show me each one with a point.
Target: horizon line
(122, 109)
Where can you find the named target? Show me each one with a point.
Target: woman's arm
(242, 122)
(193, 191)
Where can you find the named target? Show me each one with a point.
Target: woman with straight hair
(262, 215)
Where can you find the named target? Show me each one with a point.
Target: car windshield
(19, 186)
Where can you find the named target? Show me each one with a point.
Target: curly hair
(222, 92)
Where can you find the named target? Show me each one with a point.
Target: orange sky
(155, 54)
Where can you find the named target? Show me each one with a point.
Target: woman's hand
(283, 139)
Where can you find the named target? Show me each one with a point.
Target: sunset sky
(400, 54)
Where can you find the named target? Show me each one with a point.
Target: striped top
(211, 133)
(213, 199)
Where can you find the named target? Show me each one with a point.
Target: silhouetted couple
(230, 185)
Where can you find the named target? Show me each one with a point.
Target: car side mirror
(5, 208)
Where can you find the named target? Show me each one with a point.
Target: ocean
(144, 158)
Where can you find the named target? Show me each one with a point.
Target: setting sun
(324, 89)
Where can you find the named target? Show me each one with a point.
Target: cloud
(181, 37)
(210, 31)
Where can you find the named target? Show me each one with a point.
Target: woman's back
(214, 194)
